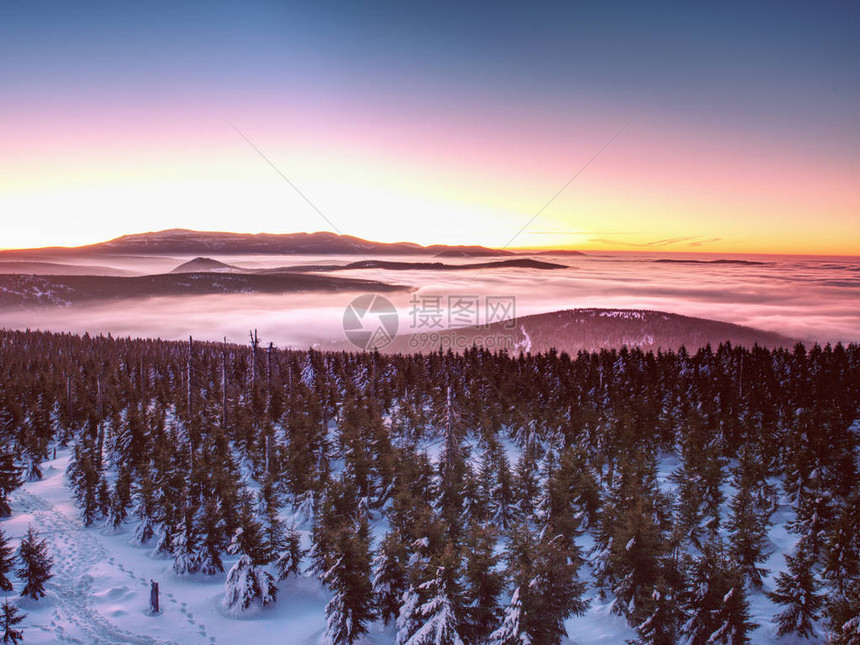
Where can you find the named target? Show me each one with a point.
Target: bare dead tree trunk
(451, 444)
(188, 376)
(69, 399)
(224, 384)
(255, 342)
(153, 597)
(100, 413)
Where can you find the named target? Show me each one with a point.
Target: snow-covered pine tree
(86, 481)
(407, 622)
(716, 601)
(526, 485)
(699, 482)
(103, 497)
(11, 617)
(248, 586)
(797, 590)
(352, 605)
(554, 592)
(7, 561)
(289, 561)
(440, 616)
(495, 486)
(747, 524)
(511, 631)
(814, 511)
(842, 546)
(733, 614)
(545, 572)
(168, 481)
(120, 499)
(389, 577)
(849, 634)
(209, 526)
(36, 564)
(268, 514)
(633, 558)
(186, 560)
(144, 500)
(484, 584)
(843, 615)
(662, 619)
(703, 593)
(10, 479)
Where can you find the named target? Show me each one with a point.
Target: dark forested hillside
(575, 330)
(30, 291)
(200, 447)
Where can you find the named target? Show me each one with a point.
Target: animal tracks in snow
(76, 551)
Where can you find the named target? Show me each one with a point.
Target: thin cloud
(642, 245)
(703, 242)
(692, 241)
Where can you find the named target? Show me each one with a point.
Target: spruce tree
(289, 561)
(733, 615)
(545, 572)
(747, 525)
(10, 618)
(7, 560)
(352, 605)
(440, 617)
(186, 557)
(390, 579)
(120, 500)
(10, 479)
(144, 498)
(703, 593)
(662, 619)
(716, 601)
(843, 615)
(797, 590)
(511, 631)
(36, 565)
(86, 481)
(248, 586)
(209, 526)
(484, 584)
(408, 617)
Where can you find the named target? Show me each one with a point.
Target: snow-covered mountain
(575, 330)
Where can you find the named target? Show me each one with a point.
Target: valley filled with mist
(799, 297)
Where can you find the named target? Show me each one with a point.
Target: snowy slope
(100, 590)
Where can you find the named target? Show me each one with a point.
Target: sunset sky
(436, 122)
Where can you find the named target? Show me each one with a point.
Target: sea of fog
(809, 298)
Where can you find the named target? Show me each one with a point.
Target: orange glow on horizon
(659, 187)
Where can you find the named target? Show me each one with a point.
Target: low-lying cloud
(805, 298)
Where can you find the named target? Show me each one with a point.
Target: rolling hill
(577, 330)
(27, 291)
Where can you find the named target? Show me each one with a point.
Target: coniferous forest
(462, 498)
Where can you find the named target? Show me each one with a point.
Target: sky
(719, 127)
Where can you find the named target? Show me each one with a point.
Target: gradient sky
(436, 123)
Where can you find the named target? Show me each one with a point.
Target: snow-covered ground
(100, 590)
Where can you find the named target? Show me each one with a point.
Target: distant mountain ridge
(187, 242)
